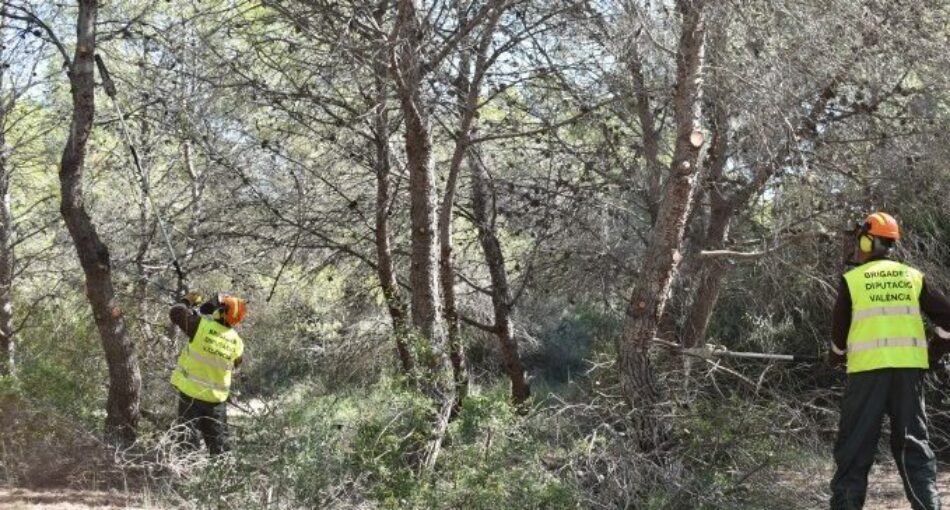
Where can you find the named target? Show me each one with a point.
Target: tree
(7, 338)
(122, 404)
(662, 253)
(408, 71)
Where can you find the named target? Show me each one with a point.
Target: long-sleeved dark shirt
(188, 320)
(933, 304)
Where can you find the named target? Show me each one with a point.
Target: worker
(878, 331)
(203, 373)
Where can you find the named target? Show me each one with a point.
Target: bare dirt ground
(67, 499)
(885, 491)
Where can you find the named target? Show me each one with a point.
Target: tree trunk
(146, 228)
(424, 266)
(649, 134)
(501, 292)
(662, 253)
(7, 337)
(122, 405)
(385, 269)
(466, 110)
(711, 272)
(725, 205)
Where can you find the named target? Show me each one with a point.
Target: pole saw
(718, 351)
(109, 86)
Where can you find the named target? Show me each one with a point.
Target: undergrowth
(361, 450)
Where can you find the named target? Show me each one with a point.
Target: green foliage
(566, 344)
(316, 451)
(300, 333)
(59, 362)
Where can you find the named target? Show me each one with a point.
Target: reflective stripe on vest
(218, 363)
(887, 342)
(205, 363)
(201, 382)
(886, 328)
(885, 310)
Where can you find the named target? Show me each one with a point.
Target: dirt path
(885, 491)
(66, 499)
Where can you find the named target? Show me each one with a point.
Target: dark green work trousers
(898, 393)
(198, 419)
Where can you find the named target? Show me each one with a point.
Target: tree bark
(649, 135)
(425, 302)
(466, 110)
(724, 206)
(7, 336)
(500, 290)
(146, 228)
(385, 269)
(662, 254)
(710, 274)
(122, 404)
(423, 268)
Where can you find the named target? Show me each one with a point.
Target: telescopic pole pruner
(711, 352)
(109, 86)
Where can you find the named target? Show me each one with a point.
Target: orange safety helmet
(883, 225)
(234, 309)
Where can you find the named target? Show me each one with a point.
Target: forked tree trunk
(122, 404)
(662, 254)
(724, 207)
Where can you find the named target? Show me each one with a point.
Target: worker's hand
(192, 299)
(209, 306)
(836, 360)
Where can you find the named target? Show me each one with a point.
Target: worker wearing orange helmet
(878, 331)
(203, 373)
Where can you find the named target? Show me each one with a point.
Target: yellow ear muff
(866, 244)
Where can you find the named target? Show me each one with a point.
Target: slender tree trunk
(146, 228)
(662, 254)
(501, 291)
(122, 405)
(385, 269)
(424, 266)
(650, 137)
(466, 110)
(197, 190)
(7, 336)
(710, 273)
(196, 212)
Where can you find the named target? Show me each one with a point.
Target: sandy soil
(66, 499)
(885, 491)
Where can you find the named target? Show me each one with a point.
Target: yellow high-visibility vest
(205, 364)
(886, 328)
